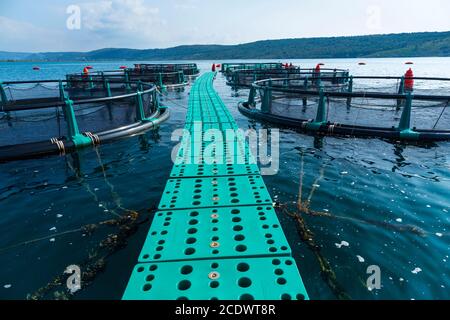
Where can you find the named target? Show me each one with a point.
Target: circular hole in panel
(184, 285)
(281, 281)
(238, 228)
(192, 231)
(241, 248)
(189, 251)
(279, 272)
(186, 270)
(147, 287)
(244, 282)
(243, 267)
(246, 296)
(300, 296)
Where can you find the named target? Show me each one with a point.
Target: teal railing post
(107, 87)
(68, 82)
(127, 81)
(401, 90)
(405, 121)
(140, 114)
(350, 90)
(305, 87)
(160, 80)
(75, 136)
(251, 96)
(91, 83)
(266, 106)
(321, 116)
(62, 93)
(3, 97)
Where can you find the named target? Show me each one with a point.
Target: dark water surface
(387, 204)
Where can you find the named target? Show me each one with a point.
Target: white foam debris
(52, 229)
(326, 210)
(52, 240)
(100, 205)
(439, 234)
(7, 286)
(428, 206)
(59, 215)
(401, 279)
(342, 244)
(96, 189)
(316, 185)
(399, 220)
(360, 259)
(65, 187)
(344, 172)
(416, 271)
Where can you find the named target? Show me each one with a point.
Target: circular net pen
(175, 80)
(40, 118)
(228, 68)
(243, 79)
(383, 107)
(189, 70)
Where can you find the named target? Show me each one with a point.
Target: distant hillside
(391, 45)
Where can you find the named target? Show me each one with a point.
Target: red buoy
(89, 67)
(123, 67)
(213, 68)
(317, 70)
(409, 80)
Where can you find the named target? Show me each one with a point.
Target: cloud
(24, 36)
(120, 15)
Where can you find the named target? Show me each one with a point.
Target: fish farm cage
(164, 80)
(244, 78)
(228, 68)
(40, 118)
(190, 70)
(393, 108)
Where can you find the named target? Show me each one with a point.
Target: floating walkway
(216, 235)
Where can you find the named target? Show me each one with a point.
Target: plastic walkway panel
(216, 234)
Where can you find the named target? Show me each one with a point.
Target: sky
(84, 25)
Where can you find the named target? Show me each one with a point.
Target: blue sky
(29, 25)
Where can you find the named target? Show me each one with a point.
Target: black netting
(430, 109)
(35, 112)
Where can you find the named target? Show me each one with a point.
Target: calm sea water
(377, 194)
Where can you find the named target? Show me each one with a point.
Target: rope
(440, 116)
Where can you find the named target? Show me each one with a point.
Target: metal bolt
(214, 275)
(216, 199)
(215, 216)
(214, 244)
